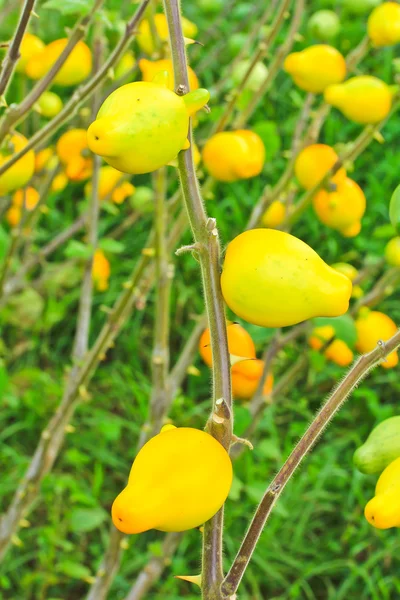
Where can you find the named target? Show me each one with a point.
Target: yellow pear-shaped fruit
(151, 68)
(383, 511)
(363, 99)
(178, 481)
(272, 279)
(374, 326)
(384, 24)
(316, 67)
(142, 126)
(233, 155)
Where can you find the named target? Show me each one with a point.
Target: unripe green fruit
(236, 42)
(210, 6)
(381, 448)
(257, 77)
(359, 7)
(49, 104)
(142, 200)
(324, 25)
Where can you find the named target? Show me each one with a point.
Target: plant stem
(12, 56)
(329, 409)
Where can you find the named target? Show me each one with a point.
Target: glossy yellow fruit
(272, 279)
(384, 24)
(145, 39)
(29, 196)
(142, 126)
(73, 151)
(233, 155)
(314, 162)
(43, 158)
(320, 335)
(240, 343)
(246, 375)
(372, 327)
(316, 67)
(30, 46)
(339, 353)
(383, 511)
(178, 481)
(49, 105)
(274, 215)
(363, 99)
(101, 270)
(76, 68)
(392, 252)
(150, 69)
(350, 272)
(20, 173)
(343, 208)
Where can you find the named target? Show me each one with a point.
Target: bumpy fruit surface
(342, 208)
(30, 46)
(314, 162)
(76, 68)
(381, 447)
(72, 150)
(324, 25)
(20, 173)
(145, 39)
(49, 104)
(373, 326)
(233, 155)
(246, 375)
(383, 511)
(392, 252)
(384, 24)
(142, 126)
(274, 215)
(272, 279)
(178, 481)
(101, 270)
(240, 343)
(151, 68)
(316, 67)
(363, 99)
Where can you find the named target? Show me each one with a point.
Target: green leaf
(86, 519)
(344, 327)
(76, 249)
(111, 246)
(69, 7)
(384, 232)
(72, 569)
(394, 209)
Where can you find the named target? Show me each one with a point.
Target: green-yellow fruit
(363, 99)
(381, 447)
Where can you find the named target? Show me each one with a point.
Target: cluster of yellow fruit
(246, 369)
(23, 198)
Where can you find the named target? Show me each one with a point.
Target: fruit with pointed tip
(233, 155)
(316, 67)
(364, 99)
(383, 511)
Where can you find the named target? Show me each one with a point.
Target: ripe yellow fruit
(342, 208)
(372, 327)
(20, 173)
(49, 105)
(13, 216)
(29, 196)
(274, 215)
(240, 343)
(350, 272)
(246, 375)
(272, 279)
(320, 335)
(233, 155)
(73, 151)
(392, 252)
(76, 68)
(339, 353)
(125, 64)
(101, 270)
(383, 511)
(314, 162)
(384, 24)
(145, 116)
(109, 178)
(42, 159)
(30, 46)
(151, 68)
(316, 67)
(59, 182)
(145, 39)
(363, 99)
(178, 481)
(122, 192)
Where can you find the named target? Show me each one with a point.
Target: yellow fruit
(72, 150)
(246, 375)
(59, 182)
(272, 279)
(148, 117)
(151, 68)
(350, 272)
(29, 196)
(363, 99)
(316, 67)
(384, 24)
(49, 104)
(339, 353)
(20, 173)
(178, 481)
(233, 155)
(313, 163)
(240, 343)
(13, 216)
(320, 335)
(122, 192)
(76, 68)
(343, 208)
(383, 511)
(145, 39)
(109, 178)
(274, 215)
(42, 159)
(372, 327)
(30, 46)
(100, 270)
(125, 64)
(392, 252)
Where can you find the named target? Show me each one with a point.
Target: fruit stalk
(12, 56)
(335, 401)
